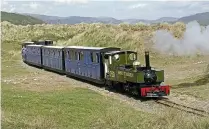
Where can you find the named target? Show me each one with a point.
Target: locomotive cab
(116, 59)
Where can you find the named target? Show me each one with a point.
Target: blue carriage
(53, 58)
(32, 55)
(24, 50)
(86, 62)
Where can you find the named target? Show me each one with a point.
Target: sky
(120, 9)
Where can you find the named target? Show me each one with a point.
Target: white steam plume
(195, 41)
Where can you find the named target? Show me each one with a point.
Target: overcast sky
(120, 9)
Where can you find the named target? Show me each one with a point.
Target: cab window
(116, 57)
(132, 56)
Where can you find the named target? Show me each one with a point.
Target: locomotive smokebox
(147, 60)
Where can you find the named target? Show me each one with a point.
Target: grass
(31, 100)
(194, 86)
(77, 108)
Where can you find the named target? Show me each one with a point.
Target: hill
(166, 19)
(160, 20)
(74, 19)
(44, 18)
(106, 20)
(202, 18)
(19, 19)
(78, 19)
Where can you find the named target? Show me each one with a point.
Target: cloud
(31, 5)
(71, 1)
(140, 5)
(34, 5)
(9, 8)
(12, 8)
(5, 3)
(120, 9)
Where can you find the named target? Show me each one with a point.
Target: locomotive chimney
(147, 60)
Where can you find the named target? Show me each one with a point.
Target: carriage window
(68, 55)
(91, 56)
(97, 57)
(76, 56)
(58, 53)
(71, 55)
(80, 56)
(54, 52)
(61, 53)
(94, 57)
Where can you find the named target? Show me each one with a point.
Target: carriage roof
(59, 47)
(93, 48)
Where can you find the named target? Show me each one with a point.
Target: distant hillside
(106, 20)
(78, 19)
(202, 18)
(19, 19)
(44, 18)
(75, 19)
(163, 19)
(166, 19)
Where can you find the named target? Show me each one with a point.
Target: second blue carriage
(53, 58)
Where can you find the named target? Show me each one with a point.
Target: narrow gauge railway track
(181, 107)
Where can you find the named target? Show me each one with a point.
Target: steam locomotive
(109, 66)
